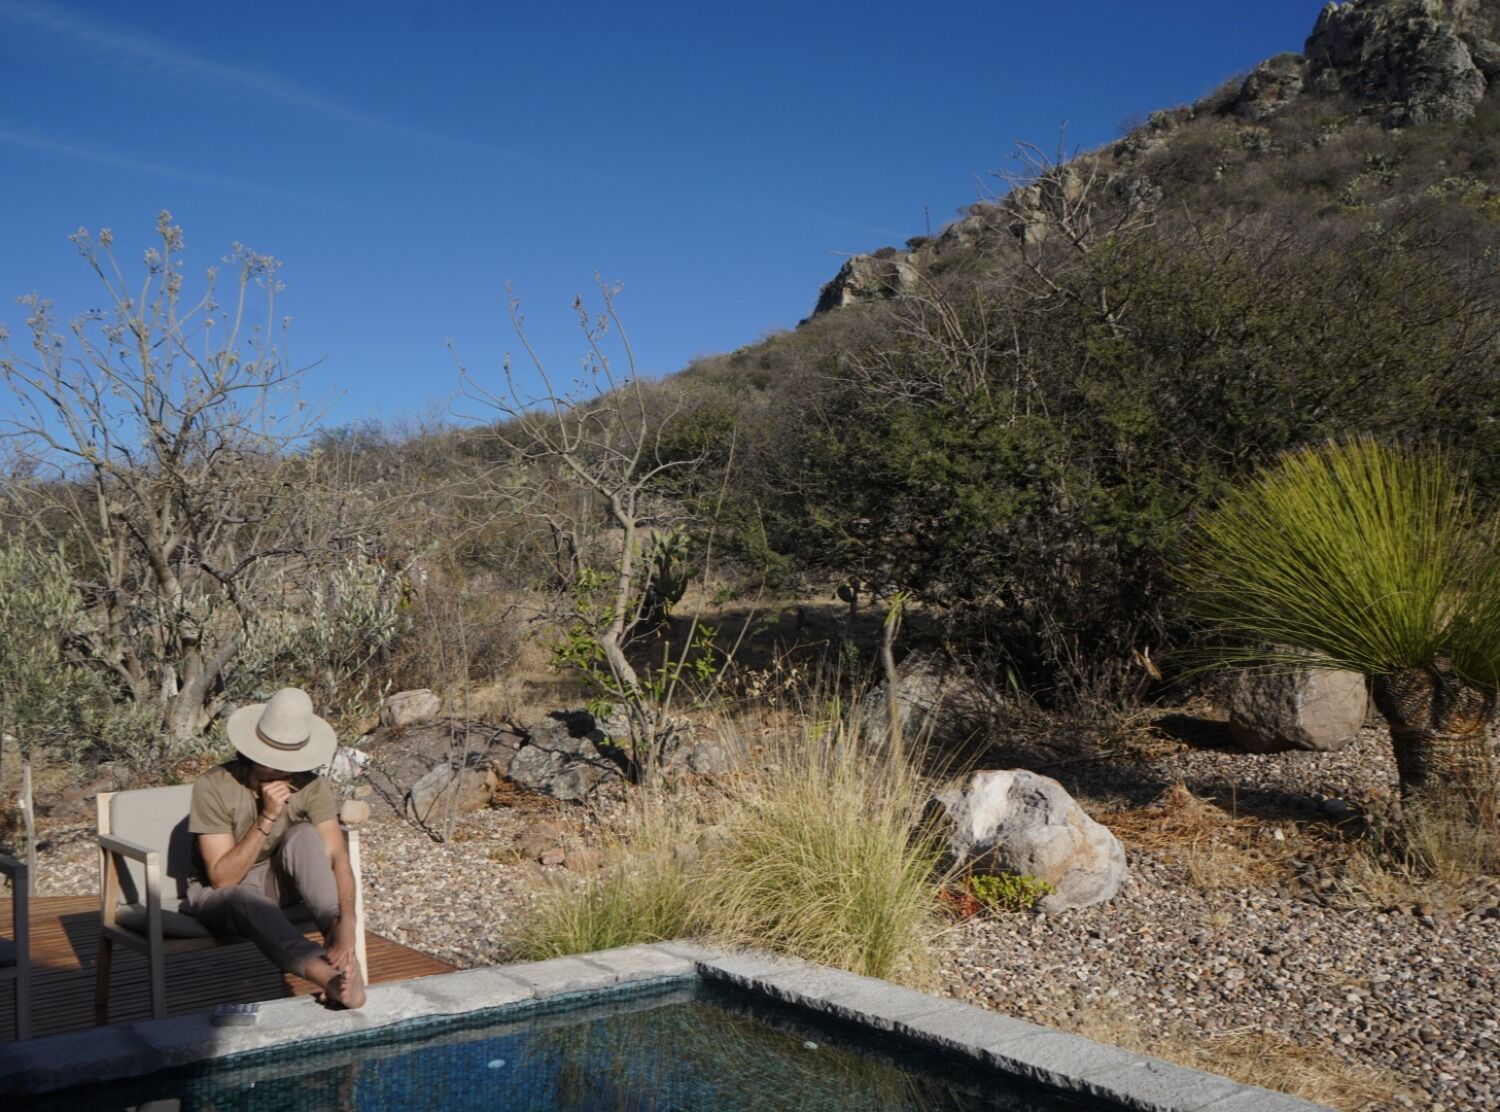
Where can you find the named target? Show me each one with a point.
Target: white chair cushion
(156, 818)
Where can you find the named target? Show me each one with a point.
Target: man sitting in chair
(268, 837)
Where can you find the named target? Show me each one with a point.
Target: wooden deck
(65, 940)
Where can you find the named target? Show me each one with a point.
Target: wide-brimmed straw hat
(283, 733)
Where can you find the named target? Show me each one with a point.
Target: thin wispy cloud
(32, 141)
(168, 60)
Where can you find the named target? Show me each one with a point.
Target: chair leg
(23, 1001)
(158, 980)
(101, 980)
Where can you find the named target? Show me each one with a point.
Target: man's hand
(273, 797)
(341, 947)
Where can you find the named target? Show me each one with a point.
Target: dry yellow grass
(1215, 848)
(806, 849)
(1254, 1057)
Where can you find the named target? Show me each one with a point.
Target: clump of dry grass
(1436, 855)
(1263, 1058)
(1215, 848)
(808, 850)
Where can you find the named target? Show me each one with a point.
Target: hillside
(1343, 124)
(1015, 420)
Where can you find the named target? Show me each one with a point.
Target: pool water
(696, 1047)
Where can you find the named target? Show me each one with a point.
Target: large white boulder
(1022, 823)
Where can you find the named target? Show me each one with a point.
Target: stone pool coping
(1066, 1062)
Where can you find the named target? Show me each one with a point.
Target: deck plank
(65, 942)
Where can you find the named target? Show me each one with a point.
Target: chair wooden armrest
(351, 814)
(111, 848)
(133, 850)
(20, 901)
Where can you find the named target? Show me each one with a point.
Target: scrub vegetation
(1225, 390)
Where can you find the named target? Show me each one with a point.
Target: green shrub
(1371, 556)
(1007, 892)
(45, 700)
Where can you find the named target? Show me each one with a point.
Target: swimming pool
(644, 1027)
(681, 1047)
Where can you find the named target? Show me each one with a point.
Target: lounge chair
(15, 952)
(145, 862)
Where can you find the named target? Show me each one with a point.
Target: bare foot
(346, 991)
(340, 990)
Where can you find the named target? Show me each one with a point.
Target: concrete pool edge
(1068, 1063)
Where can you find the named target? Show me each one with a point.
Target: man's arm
(226, 860)
(345, 931)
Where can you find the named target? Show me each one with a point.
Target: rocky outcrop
(1411, 60)
(1270, 87)
(1024, 824)
(1406, 61)
(1320, 710)
(884, 274)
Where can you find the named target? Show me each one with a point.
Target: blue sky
(405, 161)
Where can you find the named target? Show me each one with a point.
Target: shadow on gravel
(1199, 733)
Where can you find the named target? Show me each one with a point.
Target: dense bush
(1025, 454)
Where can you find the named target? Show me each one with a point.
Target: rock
(554, 856)
(937, 703)
(353, 812)
(562, 757)
(867, 278)
(583, 860)
(1320, 710)
(409, 708)
(348, 764)
(1486, 55)
(400, 757)
(465, 789)
(1404, 58)
(1024, 824)
(1271, 86)
(707, 759)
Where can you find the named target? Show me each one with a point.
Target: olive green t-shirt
(223, 803)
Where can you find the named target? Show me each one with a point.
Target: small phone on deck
(236, 1015)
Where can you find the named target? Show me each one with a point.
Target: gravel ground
(1411, 995)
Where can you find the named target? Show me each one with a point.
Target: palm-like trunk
(1439, 730)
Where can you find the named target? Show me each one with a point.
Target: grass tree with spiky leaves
(1376, 559)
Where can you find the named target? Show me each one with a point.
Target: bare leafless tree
(599, 436)
(155, 435)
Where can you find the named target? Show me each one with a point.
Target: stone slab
(1150, 1084)
(561, 976)
(470, 990)
(634, 964)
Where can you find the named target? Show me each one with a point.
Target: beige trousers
(299, 871)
